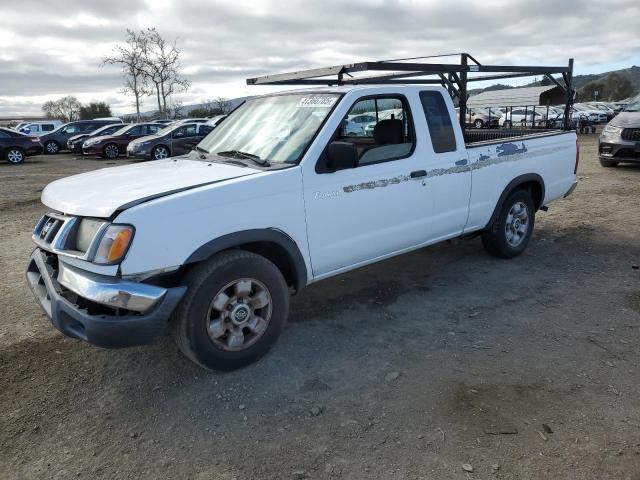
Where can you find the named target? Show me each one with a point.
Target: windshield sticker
(321, 101)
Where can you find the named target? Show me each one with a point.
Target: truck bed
(472, 137)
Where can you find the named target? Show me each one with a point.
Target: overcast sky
(52, 48)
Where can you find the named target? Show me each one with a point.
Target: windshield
(123, 130)
(165, 130)
(634, 105)
(276, 129)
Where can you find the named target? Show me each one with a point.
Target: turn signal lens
(114, 244)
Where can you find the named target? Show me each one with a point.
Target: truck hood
(626, 119)
(103, 192)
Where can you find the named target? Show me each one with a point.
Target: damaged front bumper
(104, 311)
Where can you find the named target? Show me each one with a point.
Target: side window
(205, 129)
(72, 128)
(190, 130)
(136, 130)
(151, 129)
(380, 128)
(441, 130)
(88, 127)
(47, 127)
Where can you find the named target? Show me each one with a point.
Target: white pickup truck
(210, 245)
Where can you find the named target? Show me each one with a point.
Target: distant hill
(632, 74)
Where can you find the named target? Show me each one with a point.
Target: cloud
(226, 41)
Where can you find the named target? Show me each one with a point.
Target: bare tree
(162, 67)
(175, 110)
(130, 57)
(222, 105)
(65, 108)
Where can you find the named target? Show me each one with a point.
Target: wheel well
(531, 182)
(535, 190)
(276, 254)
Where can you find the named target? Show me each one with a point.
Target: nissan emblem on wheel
(208, 241)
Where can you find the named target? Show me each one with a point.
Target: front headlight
(611, 130)
(114, 244)
(88, 143)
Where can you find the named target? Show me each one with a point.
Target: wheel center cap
(240, 314)
(516, 223)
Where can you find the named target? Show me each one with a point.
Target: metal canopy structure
(455, 77)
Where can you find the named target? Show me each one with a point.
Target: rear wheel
(111, 151)
(478, 124)
(14, 155)
(51, 147)
(608, 163)
(234, 310)
(509, 235)
(160, 152)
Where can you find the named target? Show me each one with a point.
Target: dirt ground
(408, 369)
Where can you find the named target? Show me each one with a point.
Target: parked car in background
(481, 117)
(595, 115)
(16, 146)
(56, 141)
(39, 128)
(214, 121)
(356, 125)
(192, 120)
(112, 146)
(620, 139)
(603, 107)
(163, 121)
(171, 141)
(74, 144)
(523, 116)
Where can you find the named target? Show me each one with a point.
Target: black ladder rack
(452, 76)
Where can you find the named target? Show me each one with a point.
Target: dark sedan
(111, 146)
(56, 141)
(172, 141)
(16, 146)
(74, 144)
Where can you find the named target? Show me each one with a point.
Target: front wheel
(111, 151)
(608, 163)
(478, 124)
(160, 152)
(509, 235)
(234, 310)
(51, 147)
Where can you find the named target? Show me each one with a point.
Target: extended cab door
(448, 183)
(381, 207)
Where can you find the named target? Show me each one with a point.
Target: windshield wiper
(201, 150)
(249, 156)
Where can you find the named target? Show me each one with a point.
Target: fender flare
(511, 186)
(271, 235)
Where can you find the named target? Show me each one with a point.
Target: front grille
(631, 134)
(47, 229)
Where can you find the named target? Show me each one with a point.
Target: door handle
(418, 174)
(462, 162)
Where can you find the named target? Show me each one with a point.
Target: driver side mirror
(342, 155)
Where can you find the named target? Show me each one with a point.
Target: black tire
(111, 151)
(156, 152)
(51, 147)
(478, 124)
(495, 238)
(14, 155)
(507, 124)
(191, 320)
(608, 163)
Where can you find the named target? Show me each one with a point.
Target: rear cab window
(441, 130)
(381, 127)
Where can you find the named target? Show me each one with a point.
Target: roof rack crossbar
(453, 76)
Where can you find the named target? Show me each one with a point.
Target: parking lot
(405, 369)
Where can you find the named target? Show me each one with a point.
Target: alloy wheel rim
(239, 314)
(161, 153)
(52, 147)
(15, 156)
(111, 151)
(517, 224)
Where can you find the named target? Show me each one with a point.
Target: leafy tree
(94, 110)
